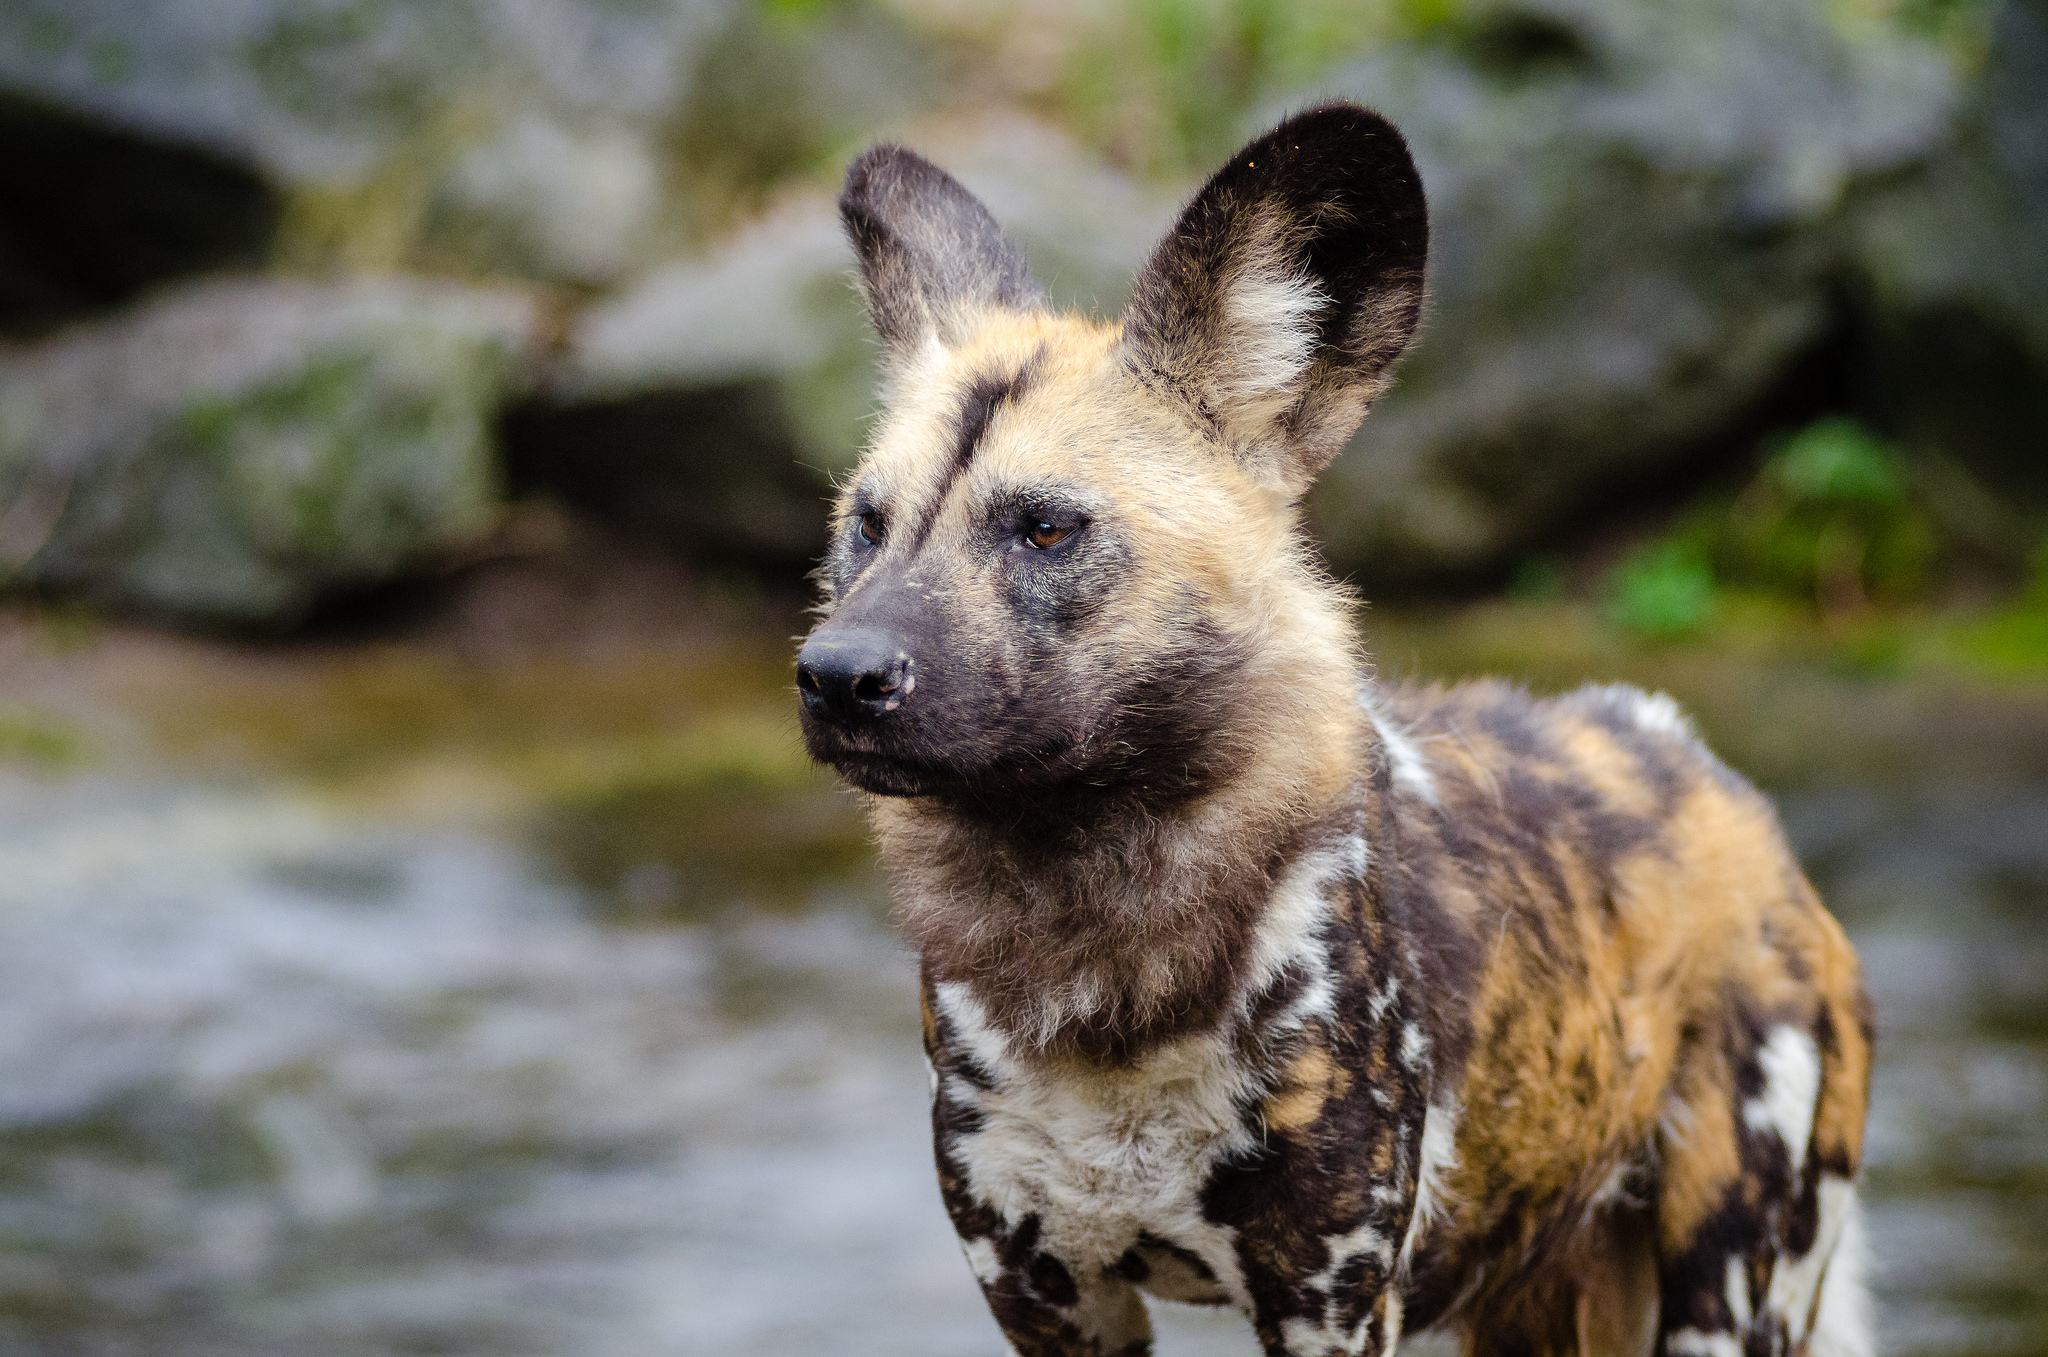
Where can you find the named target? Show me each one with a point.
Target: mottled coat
(1249, 980)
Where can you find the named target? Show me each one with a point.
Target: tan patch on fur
(1312, 1080)
(1606, 767)
(1616, 1313)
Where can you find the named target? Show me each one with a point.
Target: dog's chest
(1108, 1161)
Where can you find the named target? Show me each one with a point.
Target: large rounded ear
(931, 257)
(1277, 305)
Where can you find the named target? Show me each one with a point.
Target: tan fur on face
(1206, 537)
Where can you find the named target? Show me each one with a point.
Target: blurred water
(279, 1076)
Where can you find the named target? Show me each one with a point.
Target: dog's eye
(871, 526)
(1044, 533)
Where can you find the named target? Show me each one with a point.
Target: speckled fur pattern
(1252, 981)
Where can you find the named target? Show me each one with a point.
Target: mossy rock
(234, 450)
(1641, 214)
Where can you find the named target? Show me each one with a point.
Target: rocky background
(306, 297)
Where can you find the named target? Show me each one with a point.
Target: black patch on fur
(985, 395)
(1355, 1163)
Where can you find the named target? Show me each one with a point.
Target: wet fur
(1249, 980)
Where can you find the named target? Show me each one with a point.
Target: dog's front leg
(1043, 1306)
(1322, 1297)
(1045, 1310)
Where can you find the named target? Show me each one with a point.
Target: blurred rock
(234, 449)
(93, 215)
(546, 201)
(1953, 270)
(1639, 224)
(1970, 229)
(709, 472)
(547, 139)
(316, 92)
(466, 136)
(1655, 222)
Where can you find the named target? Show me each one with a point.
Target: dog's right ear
(931, 256)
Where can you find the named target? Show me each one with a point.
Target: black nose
(854, 674)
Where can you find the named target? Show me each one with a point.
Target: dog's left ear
(1277, 305)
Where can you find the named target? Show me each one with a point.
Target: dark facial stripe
(985, 395)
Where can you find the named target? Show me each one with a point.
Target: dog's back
(1661, 1033)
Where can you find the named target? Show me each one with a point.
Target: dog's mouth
(883, 767)
(885, 775)
(866, 760)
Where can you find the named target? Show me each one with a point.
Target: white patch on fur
(1268, 338)
(915, 370)
(1057, 1006)
(1438, 1159)
(1657, 713)
(981, 1256)
(1791, 1068)
(1693, 1343)
(1653, 713)
(1613, 1190)
(1414, 1045)
(1842, 1326)
(1351, 1244)
(1735, 1290)
(1290, 931)
(1409, 765)
(1326, 1334)
(1101, 1155)
(1676, 1121)
(1834, 1266)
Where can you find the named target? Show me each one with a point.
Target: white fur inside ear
(1268, 339)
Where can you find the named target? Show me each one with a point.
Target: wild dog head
(1069, 562)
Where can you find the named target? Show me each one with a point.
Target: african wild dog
(1249, 980)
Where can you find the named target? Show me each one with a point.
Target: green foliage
(1167, 85)
(1664, 590)
(1838, 459)
(1830, 520)
(787, 89)
(1538, 579)
(1961, 26)
(798, 13)
(2016, 641)
(30, 737)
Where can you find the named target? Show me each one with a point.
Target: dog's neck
(1101, 933)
